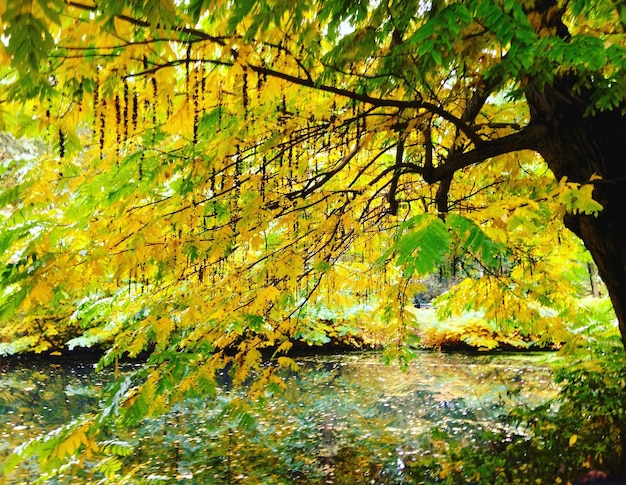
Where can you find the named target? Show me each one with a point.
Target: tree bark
(578, 145)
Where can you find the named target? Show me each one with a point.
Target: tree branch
(305, 82)
(377, 102)
(526, 139)
(200, 34)
(327, 176)
(391, 196)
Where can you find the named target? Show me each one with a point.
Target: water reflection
(38, 397)
(341, 419)
(437, 389)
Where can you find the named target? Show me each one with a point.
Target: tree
(222, 176)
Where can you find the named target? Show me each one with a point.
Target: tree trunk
(577, 146)
(592, 269)
(605, 239)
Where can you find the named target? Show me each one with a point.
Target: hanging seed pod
(126, 103)
(196, 106)
(290, 156)
(219, 109)
(118, 114)
(61, 144)
(118, 120)
(153, 83)
(263, 177)
(290, 166)
(237, 168)
(96, 101)
(259, 85)
(102, 126)
(203, 87)
(135, 113)
(168, 107)
(96, 96)
(187, 73)
(201, 274)
(245, 93)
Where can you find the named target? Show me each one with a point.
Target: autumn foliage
(217, 179)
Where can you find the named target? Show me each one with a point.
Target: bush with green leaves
(582, 429)
(588, 428)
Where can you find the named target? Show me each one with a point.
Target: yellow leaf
(42, 292)
(288, 363)
(71, 444)
(163, 327)
(284, 347)
(573, 439)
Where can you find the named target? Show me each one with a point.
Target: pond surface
(342, 419)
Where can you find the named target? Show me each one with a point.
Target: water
(341, 419)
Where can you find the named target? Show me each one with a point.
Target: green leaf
(473, 239)
(422, 245)
(29, 41)
(52, 9)
(116, 447)
(10, 302)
